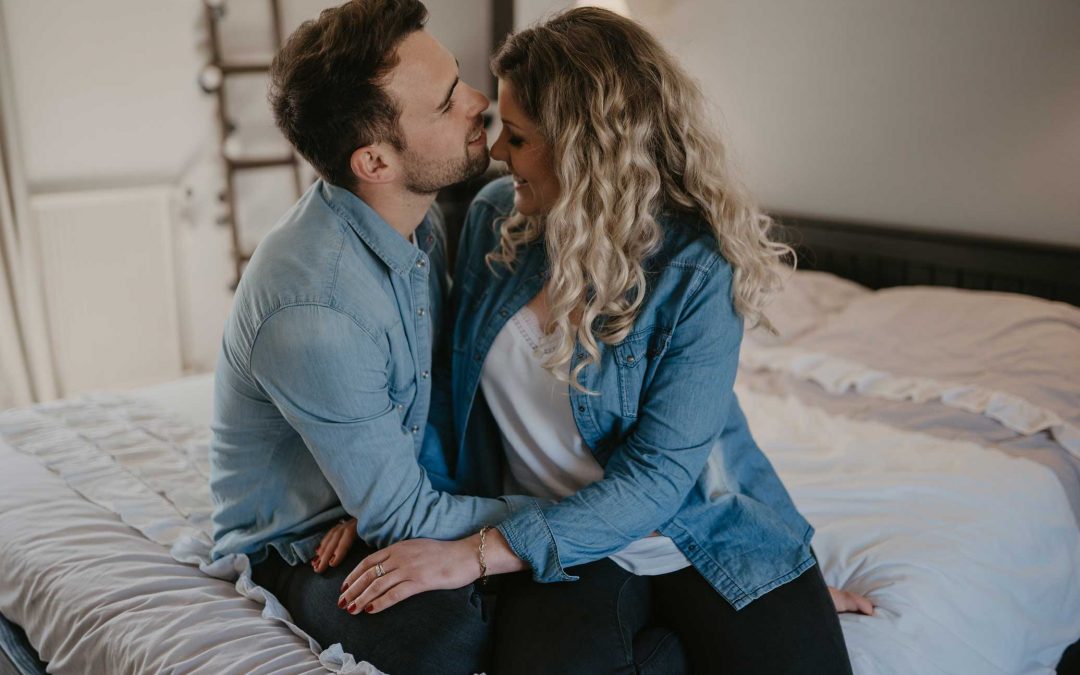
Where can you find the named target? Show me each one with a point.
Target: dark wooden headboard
(879, 257)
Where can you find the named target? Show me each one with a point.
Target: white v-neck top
(545, 453)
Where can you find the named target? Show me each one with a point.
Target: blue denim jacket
(323, 383)
(677, 453)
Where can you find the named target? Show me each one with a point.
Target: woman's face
(527, 155)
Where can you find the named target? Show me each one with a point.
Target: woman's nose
(498, 149)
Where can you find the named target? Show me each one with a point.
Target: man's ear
(373, 164)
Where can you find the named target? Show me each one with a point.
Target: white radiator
(110, 287)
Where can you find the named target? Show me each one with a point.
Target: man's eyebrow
(457, 78)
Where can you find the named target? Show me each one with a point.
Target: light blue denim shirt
(666, 426)
(323, 384)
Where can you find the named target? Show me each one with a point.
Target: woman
(600, 305)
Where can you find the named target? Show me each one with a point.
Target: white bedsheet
(102, 488)
(970, 555)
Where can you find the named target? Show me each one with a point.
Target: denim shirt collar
(397, 252)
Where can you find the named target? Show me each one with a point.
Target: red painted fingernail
(352, 608)
(369, 608)
(341, 603)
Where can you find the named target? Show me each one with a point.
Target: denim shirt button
(424, 375)
(691, 547)
(415, 429)
(421, 263)
(581, 408)
(400, 406)
(421, 312)
(504, 313)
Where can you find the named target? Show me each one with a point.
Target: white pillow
(807, 299)
(1012, 357)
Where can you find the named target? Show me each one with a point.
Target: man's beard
(424, 177)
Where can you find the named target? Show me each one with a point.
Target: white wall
(106, 97)
(959, 115)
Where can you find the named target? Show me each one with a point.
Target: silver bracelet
(480, 555)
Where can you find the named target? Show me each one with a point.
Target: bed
(931, 435)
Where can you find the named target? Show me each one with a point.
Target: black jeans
(611, 621)
(435, 632)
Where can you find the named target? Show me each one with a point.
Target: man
(323, 385)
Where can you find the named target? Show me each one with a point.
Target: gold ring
(379, 570)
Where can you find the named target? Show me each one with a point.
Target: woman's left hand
(409, 567)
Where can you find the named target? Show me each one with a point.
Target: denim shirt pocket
(398, 348)
(402, 397)
(635, 358)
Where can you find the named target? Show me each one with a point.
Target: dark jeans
(611, 621)
(435, 632)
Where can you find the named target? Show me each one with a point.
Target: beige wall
(952, 114)
(106, 98)
(958, 115)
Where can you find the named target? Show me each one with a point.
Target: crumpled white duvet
(970, 555)
(103, 487)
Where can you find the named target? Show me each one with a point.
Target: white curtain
(27, 373)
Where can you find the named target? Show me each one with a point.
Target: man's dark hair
(326, 83)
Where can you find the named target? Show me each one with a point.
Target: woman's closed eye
(516, 141)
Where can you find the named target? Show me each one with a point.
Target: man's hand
(334, 545)
(846, 601)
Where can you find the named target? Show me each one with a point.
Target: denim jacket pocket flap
(641, 346)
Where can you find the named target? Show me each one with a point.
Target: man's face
(441, 121)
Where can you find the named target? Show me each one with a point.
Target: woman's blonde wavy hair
(630, 140)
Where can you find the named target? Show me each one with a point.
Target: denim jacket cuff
(530, 538)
